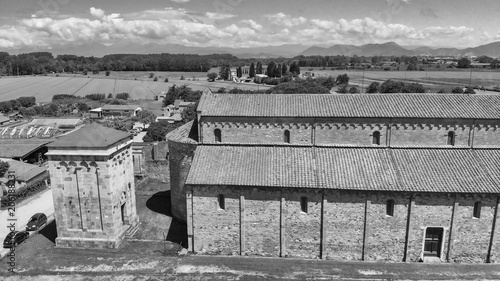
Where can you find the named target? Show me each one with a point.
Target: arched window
(218, 135)
(221, 202)
(477, 210)
(303, 204)
(286, 136)
(376, 138)
(389, 208)
(451, 138)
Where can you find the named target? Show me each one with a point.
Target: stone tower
(92, 178)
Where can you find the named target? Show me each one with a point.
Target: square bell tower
(92, 178)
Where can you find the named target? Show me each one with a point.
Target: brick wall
(354, 224)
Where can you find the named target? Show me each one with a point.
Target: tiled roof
(25, 171)
(56, 121)
(410, 170)
(91, 135)
(348, 105)
(3, 119)
(17, 148)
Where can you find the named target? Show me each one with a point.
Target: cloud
(253, 24)
(218, 16)
(180, 1)
(286, 20)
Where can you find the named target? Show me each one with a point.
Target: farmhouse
(26, 174)
(26, 150)
(391, 177)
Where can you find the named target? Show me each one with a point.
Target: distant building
(92, 176)
(26, 174)
(4, 119)
(26, 150)
(259, 78)
(126, 110)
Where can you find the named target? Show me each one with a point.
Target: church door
(433, 241)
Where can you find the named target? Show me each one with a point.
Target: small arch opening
(221, 201)
(451, 138)
(286, 136)
(376, 138)
(389, 208)
(303, 204)
(477, 210)
(218, 135)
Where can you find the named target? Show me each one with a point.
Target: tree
(413, 88)
(158, 131)
(391, 86)
(110, 96)
(189, 113)
(294, 69)
(342, 89)
(27, 101)
(469, 90)
(353, 90)
(299, 86)
(123, 96)
(252, 70)
(146, 116)
(5, 107)
(270, 69)
(284, 69)
(82, 107)
(342, 79)
(327, 82)
(457, 90)
(412, 67)
(224, 72)
(166, 80)
(374, 87)
(463, 63)
(4, 167)
(495, 63)
(277, 71)
(239, 72)
(258, 70)
(212, 76)
(156, 79)
(108, 72)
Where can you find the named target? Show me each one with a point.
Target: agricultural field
(139, 87)
(433, 80)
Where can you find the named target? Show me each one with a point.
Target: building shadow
(160, 203)
(49, 231)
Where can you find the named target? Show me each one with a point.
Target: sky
(244, 23)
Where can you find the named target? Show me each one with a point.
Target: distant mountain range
(287, 50)
(393, 49)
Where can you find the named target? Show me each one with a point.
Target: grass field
(44, 87)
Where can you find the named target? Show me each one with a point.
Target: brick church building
(379, 177)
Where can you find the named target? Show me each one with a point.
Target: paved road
(39, 203)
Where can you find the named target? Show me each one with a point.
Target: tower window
(286, 136)
(218, 135)
(389, 208)
(451, 138)
(221, 202)
(376, 138)
(303, 204)
(477, 210)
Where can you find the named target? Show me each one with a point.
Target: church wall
(487, 134)
(216, 231)
(433, 134)
(344, 222)
(302, 229)
(472, 231)
(354, 225)
(383, 230)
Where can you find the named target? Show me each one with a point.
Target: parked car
(36, 222)
(15, 238)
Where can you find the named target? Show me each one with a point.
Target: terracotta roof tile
(411, 170)
(18, 148)
(346, 105)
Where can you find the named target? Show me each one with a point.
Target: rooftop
(24, 171)
(19, 148)
(57, 122)
(406, 170)
(91, 135)
(119, 107)
(351, 106)
(3, 118)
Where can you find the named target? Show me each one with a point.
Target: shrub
(166, 80)
(151, 75)
(122, 96)
(155, 79)
(108, 72)
(182, 77)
